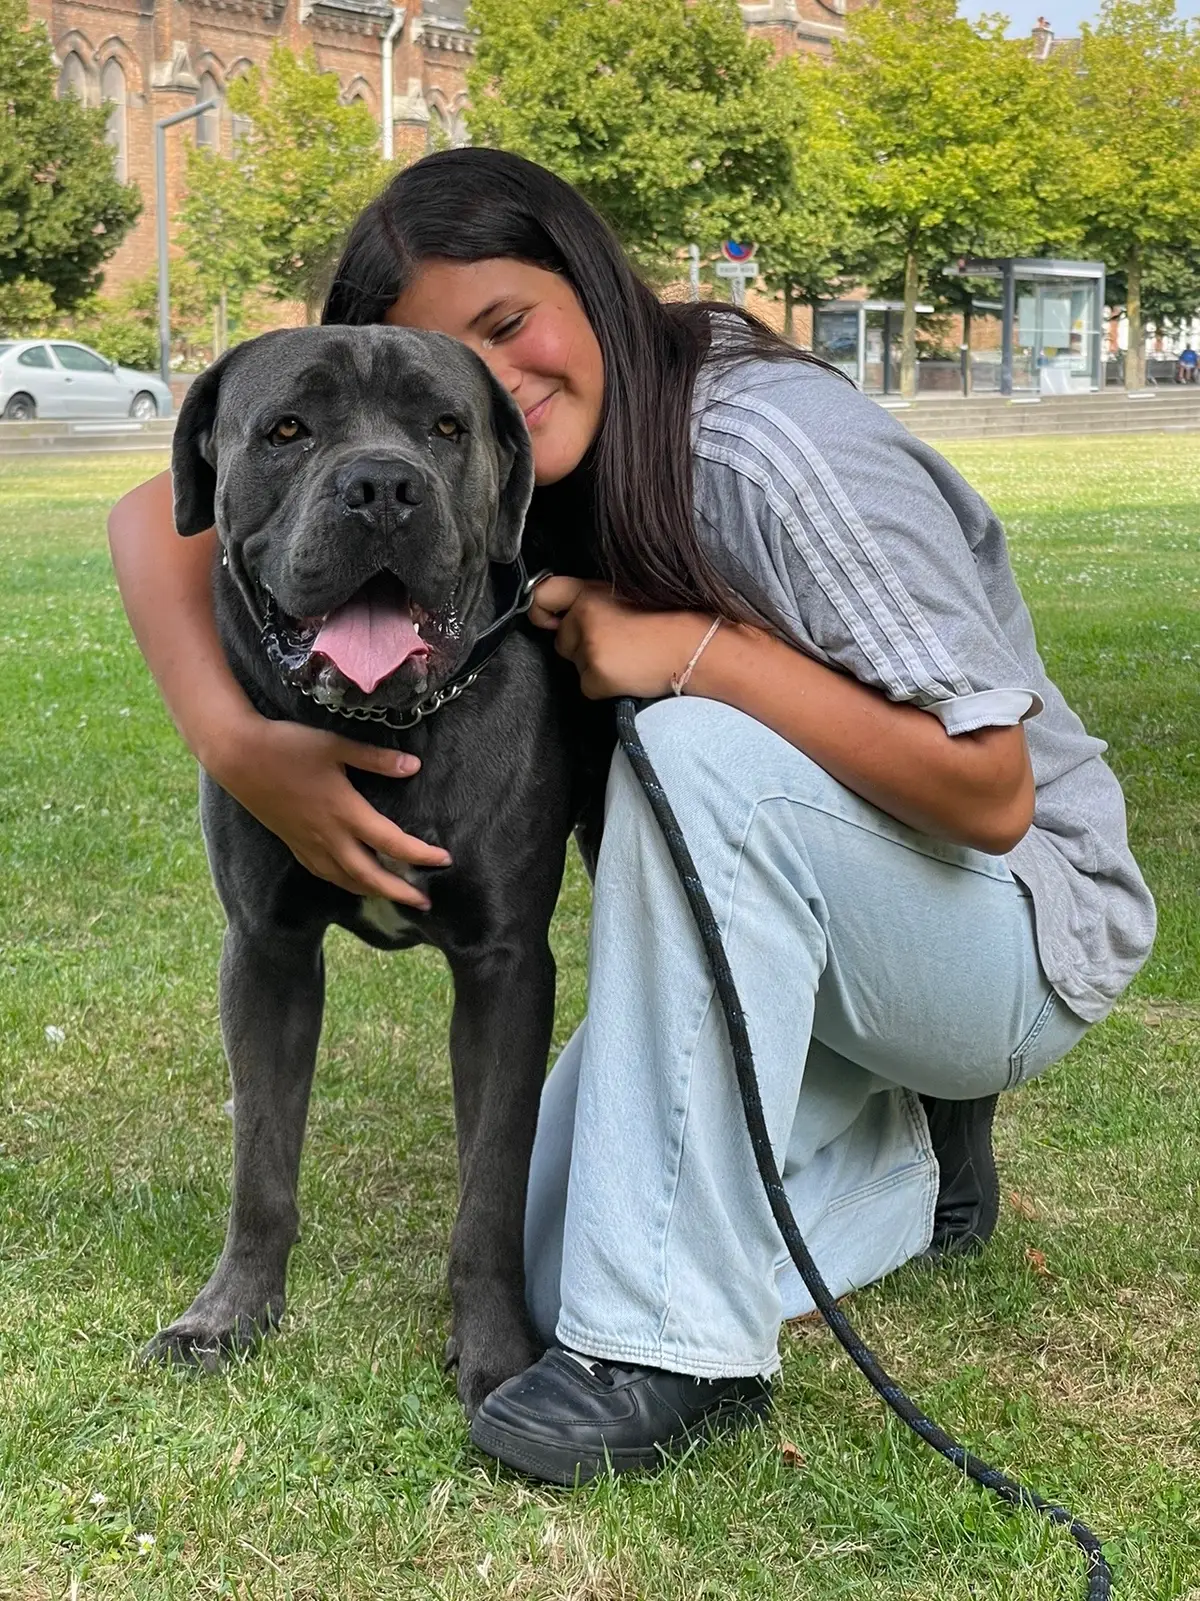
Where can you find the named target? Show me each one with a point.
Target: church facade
(146, 59)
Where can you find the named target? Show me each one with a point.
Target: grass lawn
(335, 1464)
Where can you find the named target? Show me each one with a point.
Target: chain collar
(486, 646)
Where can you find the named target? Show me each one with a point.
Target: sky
(1064, 16)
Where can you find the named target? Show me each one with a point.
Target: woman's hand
(293, 779)
(616, 649)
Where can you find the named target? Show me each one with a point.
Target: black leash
(1099, 1576)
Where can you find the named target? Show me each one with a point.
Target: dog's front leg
(499, 1042)
(272, 999)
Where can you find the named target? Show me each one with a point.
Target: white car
(59, 378)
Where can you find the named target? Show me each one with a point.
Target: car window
(35, 356)
(76, 359)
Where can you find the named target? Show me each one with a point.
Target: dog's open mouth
(361, 644)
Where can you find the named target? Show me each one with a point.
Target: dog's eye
(287, 429)
(449, 427)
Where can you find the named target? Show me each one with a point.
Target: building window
(208, 124)
(72, 80)
(112, 94)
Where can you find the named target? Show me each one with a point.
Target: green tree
(26, 306)
(807, 236)
(276, 211)
(1137, 96)
(959, 143)
(661, 112)
(62, 211)
(221, 232)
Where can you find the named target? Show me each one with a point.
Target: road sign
(740, 274)
(733, 250)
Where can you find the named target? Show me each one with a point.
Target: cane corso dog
(369, 487)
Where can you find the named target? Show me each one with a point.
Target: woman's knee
(703, 750)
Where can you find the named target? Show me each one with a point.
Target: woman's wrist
(732, 650)
(681, 680)
(225, 736)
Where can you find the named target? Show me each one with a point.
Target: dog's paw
(207, 1343)
(480, 1370)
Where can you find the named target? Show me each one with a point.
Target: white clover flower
(54, 1034)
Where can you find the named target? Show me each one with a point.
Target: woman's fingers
(373, 758)
(569, 637)
(552, 597)
(366, 875)
(386, 837)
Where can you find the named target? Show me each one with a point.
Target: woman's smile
(537, 413)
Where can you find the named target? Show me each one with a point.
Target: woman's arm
(290, 777)
(975, 788)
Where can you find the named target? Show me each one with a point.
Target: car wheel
(21, 408)
(144, 408)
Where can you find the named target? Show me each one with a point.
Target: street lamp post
(160, 190)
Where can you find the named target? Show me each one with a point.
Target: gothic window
(208, 123)
(441, 133)
(72, 80)
(239, 127)
(112, 93)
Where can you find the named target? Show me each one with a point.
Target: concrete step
(1166, 410)
(1068, 431)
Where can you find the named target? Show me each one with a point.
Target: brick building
(146, 59)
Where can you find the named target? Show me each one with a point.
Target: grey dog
(369, 487)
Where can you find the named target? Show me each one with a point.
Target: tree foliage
(275, 211)
(661, 112)
(808, 236)
(62, 210)
(1138, 115)
(958, 143)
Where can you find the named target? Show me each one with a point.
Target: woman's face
(530, 328)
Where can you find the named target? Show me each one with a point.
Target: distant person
(1185, 372)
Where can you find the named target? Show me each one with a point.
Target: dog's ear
(193, 466)
(515, 461)
(193, 461)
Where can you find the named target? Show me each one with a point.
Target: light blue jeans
(874, 964)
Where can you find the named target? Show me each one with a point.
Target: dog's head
(361, 481)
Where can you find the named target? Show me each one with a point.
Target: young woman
(917, 855)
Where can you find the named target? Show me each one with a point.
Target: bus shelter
(862, 339)
(1051, 322)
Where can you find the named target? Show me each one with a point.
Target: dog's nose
(374, 483)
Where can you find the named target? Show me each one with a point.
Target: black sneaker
(569, 1418)
(968, 1200)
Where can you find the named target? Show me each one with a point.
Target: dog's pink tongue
(370, 636)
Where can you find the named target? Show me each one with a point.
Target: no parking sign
(739, 266)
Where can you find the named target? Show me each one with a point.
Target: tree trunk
(1135, 355)
(908, 336)
(789, 319)
(967, 350)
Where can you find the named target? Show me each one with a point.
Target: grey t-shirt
(885, 563)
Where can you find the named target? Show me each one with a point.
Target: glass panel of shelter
(1054, 338)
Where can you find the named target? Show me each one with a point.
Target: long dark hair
(475, 204)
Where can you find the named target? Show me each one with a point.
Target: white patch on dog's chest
(385, 917)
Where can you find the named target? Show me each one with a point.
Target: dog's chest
(389, 919)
